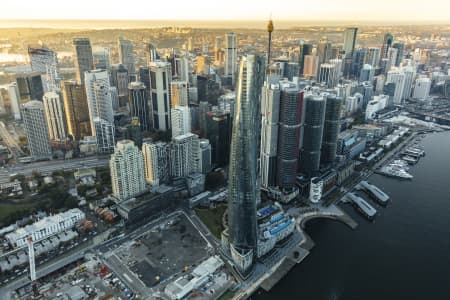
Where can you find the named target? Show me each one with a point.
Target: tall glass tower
(243, 187)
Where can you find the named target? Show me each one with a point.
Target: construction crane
(32, 263)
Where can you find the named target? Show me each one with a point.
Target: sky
(219, 10)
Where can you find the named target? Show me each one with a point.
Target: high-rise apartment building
(231, 56)
(305, 49)
(243, 187)
(83, 59)
(120, 79)
(45, 61)
(76, 109)
(310, 66)
(398, 78)
(30, 86)
(181, 120)
(36, 130)
(14, 100)
(331, 128)
(184, 155)
(126, 55)
(179, 93)
(139, 106)
(54, 115)
(127, 170)
(387, 44)
(102, 58)
(156, 162)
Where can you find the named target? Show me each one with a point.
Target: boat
(410, 160)
(396, 172)
(375, 193)
(362, 206)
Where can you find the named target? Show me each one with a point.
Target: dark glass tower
(83, 60)
(139, 104)
(312, 135)
(387, 43)
(330, 129)
(243, 188)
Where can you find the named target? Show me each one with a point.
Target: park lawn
(212, 218)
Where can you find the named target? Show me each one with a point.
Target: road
(47, 167)
(10, 141)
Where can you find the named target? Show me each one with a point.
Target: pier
(365, 208)
(374, 192)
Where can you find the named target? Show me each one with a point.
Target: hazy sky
(357, 10)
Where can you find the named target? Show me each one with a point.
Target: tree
(214, 180)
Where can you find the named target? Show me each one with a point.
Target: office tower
(291, 70)
(373, 56)
(305, 49)
(54, 115)
(309, 162)
(358, 62)
(269, 31)
(36, 130)
(114, 98)
(242, 186)
(181, 69)
(392, 56)
(350, 41)
(203, 65)
(387, 44)
(156, 161)
(127, 170)
(218, 132)
(231, 56)
(150, 53)
(324, 51)
(179, 93)
(328, 75)
(126, 55)
(120, 79)
(397, 77)
(204, 156)
(144, 77)
(83, 60)
(160, 78)
(102, 58)
(100, 109)
(184, 158)
(331, 129)
(45, 61)
(181, 120)
(400, 48)
(139, 104)
(134, 132)
(30, 86)
(422, 88)
(367, 73)
(76, 110)
(14, 100)
(410, 75)
(218, 54)
(310, 66)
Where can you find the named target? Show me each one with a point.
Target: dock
(374, 192)
(365, 208)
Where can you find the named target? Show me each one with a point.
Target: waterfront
(404, 254)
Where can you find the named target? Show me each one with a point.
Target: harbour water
(403, 254)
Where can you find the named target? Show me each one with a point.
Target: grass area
(212, 218)
(227, 295)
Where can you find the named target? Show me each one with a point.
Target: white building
(398, 77)
(373, 56)
(14, 100)
(160, 80)
(184, 155)
(45, 61)
(315, 190)
(46, 227)
(181, 120)
(378, 103)
(231, 56)
(102, 58)
(310, 65)
(156, 162)
(127, 170)
(36, 130)
(100, 108)
(410, 74)
(54, 114)
(328, 74)
(422, 88)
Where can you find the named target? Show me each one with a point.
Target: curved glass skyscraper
(243, 188)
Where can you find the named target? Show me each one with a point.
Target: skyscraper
(218, 132)
(160, 78)
(83, 58)
(310, 66)
(312, 135)
(305, 49)
(350, 41)
(127, 170)
(398, 78)
(387, 44)
(30, 86)
(400, 48)
(150, 53)
(231, 56)
(373, 56)
(179, 93)
(120, 79)
(54, 114)
(139, 104)
(36, 130)
(14, 100)
(184, 155)
(243, 187)
(44, 60)
(126, 55)
(324, 51)
(181, 120)
(156, 161)
(102, 58)
(328, 74)
(76, 109)
(100, 109)
(331, 128)
(422, 88)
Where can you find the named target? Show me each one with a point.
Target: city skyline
(347, 10)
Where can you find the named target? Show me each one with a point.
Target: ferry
(375, 193)
(362, 206)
